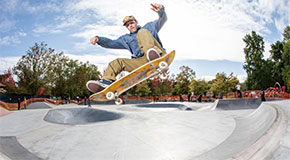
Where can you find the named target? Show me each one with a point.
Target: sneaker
(97, 86)
(152, 54)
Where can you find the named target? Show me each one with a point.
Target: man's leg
(114, 68)
(122, 64)
(146, 41)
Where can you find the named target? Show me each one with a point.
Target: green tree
(183, 80)
(71, 77)
(258, 70)
(86, 72)
(33, 67)
(277, 62)
(58, 75)
(199, 86)
(55, 72)
(143, 89)
(286, 57)
(161, 87)
(224, 83)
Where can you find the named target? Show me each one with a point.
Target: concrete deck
(241, 129)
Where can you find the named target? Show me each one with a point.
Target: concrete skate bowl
(238, 104)
(76, 116)
(256, 136)
(38, 105)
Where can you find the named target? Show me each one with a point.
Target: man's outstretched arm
(159, 8)
(107, 43)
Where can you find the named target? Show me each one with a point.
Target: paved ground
(240, 129)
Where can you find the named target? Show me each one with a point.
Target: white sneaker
(97, 86)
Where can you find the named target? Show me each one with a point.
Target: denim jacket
(129, 41)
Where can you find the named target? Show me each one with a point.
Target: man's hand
(94, 40)
(156, 7)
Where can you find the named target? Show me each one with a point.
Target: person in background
(238, 87)
(25, 103)
(19, 103)
(263, 99)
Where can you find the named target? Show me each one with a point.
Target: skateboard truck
(163, 65)
(162, 70)
(112, 95)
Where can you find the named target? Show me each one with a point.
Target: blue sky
(206, 34)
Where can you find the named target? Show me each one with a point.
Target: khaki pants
(145, 41)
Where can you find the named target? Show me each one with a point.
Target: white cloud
(68, 21)
(6, 24)
(284, 15)
(46, 6)
(13, 39)
(46, 29)
(242, 78)
(267, 50)
(8, 5)
(7, 63)
(56, 28)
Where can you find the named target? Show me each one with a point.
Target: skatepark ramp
(80, 116)
(130, 132)
(38, 105)
(256, 136)
(238, 104)
(3, 111)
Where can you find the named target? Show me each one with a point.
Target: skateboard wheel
(164, 76)
(163, 65)
(119, 101)
(110, 95)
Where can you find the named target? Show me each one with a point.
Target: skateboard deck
(140, 74)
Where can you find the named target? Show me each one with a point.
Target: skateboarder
(143, 43)
(238, 87)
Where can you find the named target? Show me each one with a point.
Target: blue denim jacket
(129, 41)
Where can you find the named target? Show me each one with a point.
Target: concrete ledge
(38, 105)
(238, 104)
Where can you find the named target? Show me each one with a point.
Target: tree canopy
(43, 71)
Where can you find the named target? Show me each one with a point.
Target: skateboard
(157, 67)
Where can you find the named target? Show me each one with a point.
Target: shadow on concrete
(80, 116)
